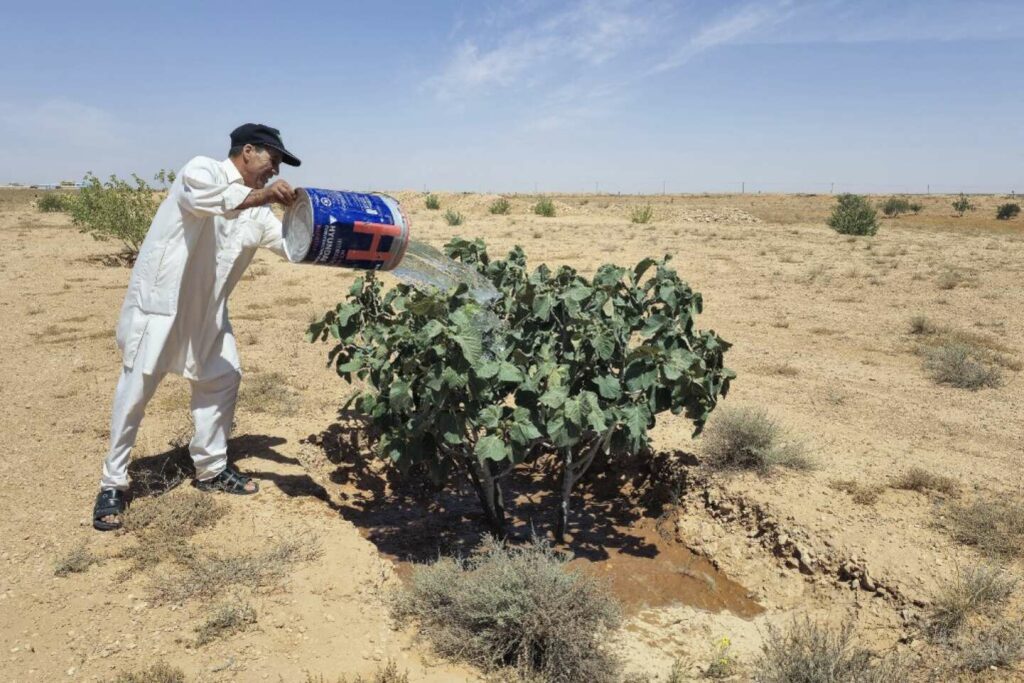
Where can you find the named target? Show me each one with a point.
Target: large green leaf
(491, 447)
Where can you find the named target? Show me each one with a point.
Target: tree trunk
(488, 490)
(563, 505)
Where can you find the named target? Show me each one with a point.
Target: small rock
(867, 583)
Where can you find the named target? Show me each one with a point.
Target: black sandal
(108, 502)
(229, 480)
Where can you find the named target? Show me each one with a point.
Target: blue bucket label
(350, 229)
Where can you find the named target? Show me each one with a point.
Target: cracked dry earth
(819, 325)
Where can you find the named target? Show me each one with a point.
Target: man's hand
(278, 191)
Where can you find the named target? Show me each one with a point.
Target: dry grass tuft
(164, 524)
(207, 574)
(978, 590)
(155, 673)
(921, 480)
(517, 607)
(995, 527)
(999, 645)
(225, 619)
(922, 324)
(76, 561)
(747, 438)
(862, 494)
(961, 366)
(808, 652)
(268, 393)
(389, 673)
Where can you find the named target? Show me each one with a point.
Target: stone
(867, 583)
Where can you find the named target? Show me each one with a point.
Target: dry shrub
(224, 619)
(922, 324)
(747, 438)
(207, 574)
(163, 525)
(808, 652)
(389, 673)
(514, 606)
(978, 590)
(961, 366)
(921, 480)
(997, 645)
(76, 561)
(995, 527)
(268, 393)
(862, 494)
(154, 673)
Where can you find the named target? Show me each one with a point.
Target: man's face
(260, 165)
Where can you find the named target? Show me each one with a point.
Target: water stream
(424, 267)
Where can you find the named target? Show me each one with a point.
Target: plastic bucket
(345, 229)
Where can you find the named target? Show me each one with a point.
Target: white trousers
(213, 411)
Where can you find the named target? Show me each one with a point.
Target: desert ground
(823, 341)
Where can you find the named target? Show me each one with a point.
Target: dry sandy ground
(820, 327)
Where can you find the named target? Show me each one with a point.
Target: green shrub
(962, 205)
(915, 207)
(642, 214)
(500, 206)
(807, 652)
(746, 438)
(452, 217)
(1007, 211)
(545, 207)
(432, 202)
(52, 202)
(117, 210)
(894, 206)
(853, 215)
(514, 606)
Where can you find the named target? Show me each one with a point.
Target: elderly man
(175, 317)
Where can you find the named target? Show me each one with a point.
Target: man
(175, 317)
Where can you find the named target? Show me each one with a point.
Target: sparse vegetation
(962, 366)
(545, 207)
(452, 217)
(980, 589)
(642, 214)
(995, 526)
(915, 207)
(224, 619)
(500, 207)
(921, 480)
(389, 673)
(747, 438)
(862, 494)
(76, 561)
(432, 202)
(962, 205)
(1007, 211)
(514, 606)
(808, 652)
(163, 524)
(268, 392)
(997, 645)
(154, 673)
(922, 324)
(853, 215)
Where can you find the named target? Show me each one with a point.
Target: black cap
(265, 136)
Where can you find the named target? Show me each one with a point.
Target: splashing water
(426, 268)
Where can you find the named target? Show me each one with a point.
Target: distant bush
(545, 207)
(500, 206)
(52, 202)
(642, 214)
(962, 205)
(915, 207)
(853, 215)
(432, 202)
(747, 438)
(894, 206)
(452, 217)
(156, 673)
(514, 606)
(921, 480)
(1007, 211)
(807, 652)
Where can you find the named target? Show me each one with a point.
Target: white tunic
(194, 254)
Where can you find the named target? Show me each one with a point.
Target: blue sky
(784, 95)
